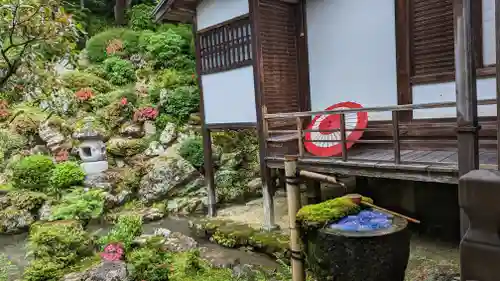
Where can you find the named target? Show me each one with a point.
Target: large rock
(108, 271)
(13, 220)
(154, 149)
(170, 176)
(131, 129)
(51, 136)
(149, 128)
(169, 134)
(125, 147)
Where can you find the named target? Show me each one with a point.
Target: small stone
(218, 259)
(45, 211)
(75, 276)
(149, 128)
(255, 186)
(154, 149)
(162, 232)
(108, 271)
(177, 242)
(244, 272)
(169, 134)
(133, 130)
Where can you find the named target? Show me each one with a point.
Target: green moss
(231, 234)
(76, 80)
(26, 200)
(79, 205)
(126, 147)
(62, 241)
(317, 215)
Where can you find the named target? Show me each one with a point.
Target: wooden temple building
(423, 70)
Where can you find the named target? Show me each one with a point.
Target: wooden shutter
(432, 44)
(278, 35)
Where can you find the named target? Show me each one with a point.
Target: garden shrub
(63, 242)
(127, 228)
(192, 150)
(43, 270)
(230, 185)
(79, 205)
(26, 200)
(183, 30)
(66, 175)
(7, 268)
(97, 70)
(181, 102)
(162, 120)
(140, 17)
(163, 47)
(149, 264)
(10, 144)
(76, 80)
(33, 173)
(119, 71)
(96, 46)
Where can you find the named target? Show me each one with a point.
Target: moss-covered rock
(126, 147)
(318, 215)
(14, 220)
(26, 200)
(232, 234)
(76, 80)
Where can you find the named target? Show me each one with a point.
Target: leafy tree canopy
(32, 32)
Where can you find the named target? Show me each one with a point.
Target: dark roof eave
(161, 13)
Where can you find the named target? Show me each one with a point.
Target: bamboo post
(299, 136)
(395, 137)
(293, 198)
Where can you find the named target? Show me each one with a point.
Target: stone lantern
(92, 149)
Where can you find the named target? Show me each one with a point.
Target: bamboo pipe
(320, 177)
(356, 198)
(293, 198)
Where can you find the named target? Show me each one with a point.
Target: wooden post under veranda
(465, 79)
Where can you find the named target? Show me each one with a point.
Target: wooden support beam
(207, 139)
(497, 67)
(293, 199)
(465, 79)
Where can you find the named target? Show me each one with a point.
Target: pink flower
(146, 113)
(124, 101)
(62, 156)
(112, 252)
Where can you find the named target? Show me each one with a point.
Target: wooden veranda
(394, 158)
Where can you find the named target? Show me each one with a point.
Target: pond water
(14, 245)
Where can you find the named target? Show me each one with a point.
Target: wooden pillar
(293, 199)
(497, 32)
(465, 79)
(268, 185)
(313, 191)
(207, 139)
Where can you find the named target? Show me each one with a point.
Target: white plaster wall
(229, 96)
(212, 12)
(489, 56)
(352, 53)
(443, 92)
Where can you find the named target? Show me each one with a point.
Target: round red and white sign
(323, 143)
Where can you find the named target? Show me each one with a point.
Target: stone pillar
(480, 246)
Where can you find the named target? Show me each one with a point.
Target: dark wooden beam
(465, 79)
(403, 61)
(267, 182)
(207, 139)
(497, 67)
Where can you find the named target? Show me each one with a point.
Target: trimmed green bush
(43, 270)
(62, 241)
(163, 47)
(76, 80)
(66, 175)
(192, 150)
(127, 228)
(149, 264)
(79, 205)
(119, 71)
(181, 102)
(96, 46)
(33, 173)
